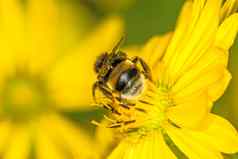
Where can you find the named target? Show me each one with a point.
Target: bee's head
(100, 61)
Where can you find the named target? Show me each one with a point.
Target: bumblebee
(119, 77)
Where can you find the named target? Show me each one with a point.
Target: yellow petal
(43, 21)
(19, 145)
(196, 41)
(75, 20)
(154, 49)
(181, 29)
(217, 89)
(227, 32)
(45, 147)
(150, 146)
(12, 24)
(220, 130)
(217, 134)
(105, 138)
(11, 36)
(229, 7)
(191, 112)
(75, 141)
(211, 69)
(192, 148)
(194, 82)
(119, 151)
(159, 144)
(72, 79)
(5, 134)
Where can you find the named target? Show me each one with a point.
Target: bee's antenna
(118, 44)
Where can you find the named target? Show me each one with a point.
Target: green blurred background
(143, 19)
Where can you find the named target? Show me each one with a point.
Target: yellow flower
(41, 78)
(189, 69)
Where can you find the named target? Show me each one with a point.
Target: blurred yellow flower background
(44, 74)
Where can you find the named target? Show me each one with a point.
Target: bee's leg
(102, 87)
(146, 68)
(94, 88)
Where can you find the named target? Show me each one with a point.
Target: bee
(119, 77)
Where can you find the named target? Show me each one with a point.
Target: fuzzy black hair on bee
(99, 62)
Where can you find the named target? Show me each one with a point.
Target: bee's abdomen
(126, 77)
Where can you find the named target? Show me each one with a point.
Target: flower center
(23, 98)
(146, 115)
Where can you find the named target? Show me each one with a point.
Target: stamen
(141, 110)
(124, 106)
(109, 119)
(145, 102)
(172, 123)
(115, 126)
(116, 112)
(144, 114)
(132, 130)
(107, 107)
(151, 90)
(129, 122)
(149, 96)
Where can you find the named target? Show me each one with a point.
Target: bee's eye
(99, 62)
